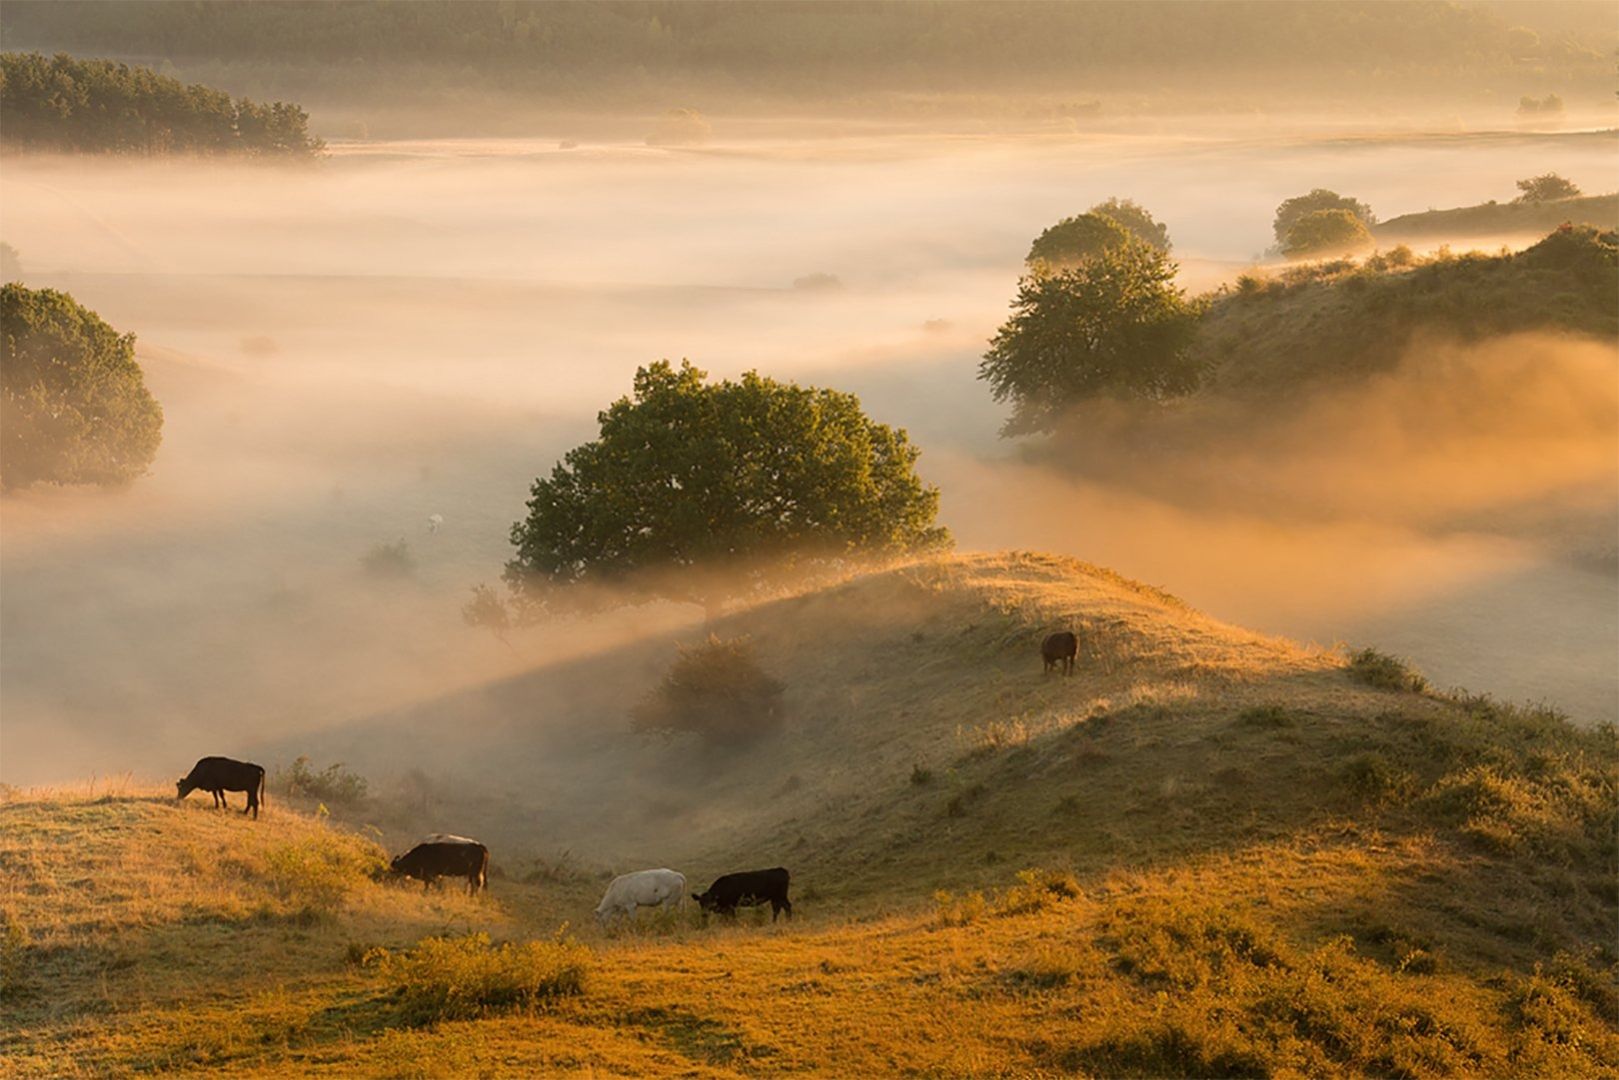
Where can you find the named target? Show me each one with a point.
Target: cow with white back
(629, 893)
(443, 855)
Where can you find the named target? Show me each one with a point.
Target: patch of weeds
(697, 1037)
(1047, 968)
(921, 777)
(1372, 776)
(1385, 671)
(1266, 718)
(389, 561)
(466, 977)
(314, 876)
(957, 806)
(334, 784)
(1069, 804)
(14, 982)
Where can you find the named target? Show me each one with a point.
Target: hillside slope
(1254, 862)
(1495, 219)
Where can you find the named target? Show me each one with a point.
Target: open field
(1251, 863)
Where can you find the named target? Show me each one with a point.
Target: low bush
(716, 691)
(1385, 672)
(1035, 890)
(334, 784)
(389, 561)
(314, 876)
(461, 978)
(921, 777)
(1266, 717)
(1372, 775)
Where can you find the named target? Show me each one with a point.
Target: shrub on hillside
(715, 690)
(1292, 210)
(1385, 672)
(334, 784)
(315, 875)
(462, 978)
(389, 561)
(1548, 187)
(1323, 232)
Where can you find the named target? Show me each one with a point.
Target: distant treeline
(834, 47)
(65, 104)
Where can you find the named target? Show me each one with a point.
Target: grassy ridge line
(1498, 219)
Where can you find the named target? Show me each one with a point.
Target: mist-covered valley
(347, 349)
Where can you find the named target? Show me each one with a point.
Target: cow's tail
(483, 872)
(261, 787)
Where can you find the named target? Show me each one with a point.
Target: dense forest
(844, 47)
(65, 104)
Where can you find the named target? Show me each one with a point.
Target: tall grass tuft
(461, 978)
(1385, 672)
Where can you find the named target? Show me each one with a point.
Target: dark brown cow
(1060, 648)
(745, 889)
(438, 857)
(217, 775)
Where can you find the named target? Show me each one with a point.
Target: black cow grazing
(1060, 648)
(217, 775)
(445, 856)
(750, 887)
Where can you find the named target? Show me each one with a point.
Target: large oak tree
(695, 489)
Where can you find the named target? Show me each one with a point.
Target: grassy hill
(1209, 852)
(1345, 320)
(1495, 219)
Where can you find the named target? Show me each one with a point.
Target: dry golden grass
(1254, 865)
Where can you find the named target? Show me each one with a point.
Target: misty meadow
(845, 539)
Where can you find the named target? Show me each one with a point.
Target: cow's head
(182, 788)
(705, 901)
(394, 867)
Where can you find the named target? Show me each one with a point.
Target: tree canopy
(1135, 217)
(60, 103)
(1115, 324)
(693, 489)
(1076, 238)
(1325, 232)
(1291, 210)
(1547, 188)
(74, 408)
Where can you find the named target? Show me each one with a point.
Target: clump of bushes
(460, 978)
(716, 691)
(1385, 672)
(1035, 890)
(389, 561)
(1371, 775)
(335, 784)
(314, 876)
(1326, 232)
(921, 777)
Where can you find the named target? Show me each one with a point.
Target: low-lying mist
(346, 352)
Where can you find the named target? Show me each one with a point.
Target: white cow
(645, 888)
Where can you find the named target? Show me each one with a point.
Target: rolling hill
(1209, 852)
